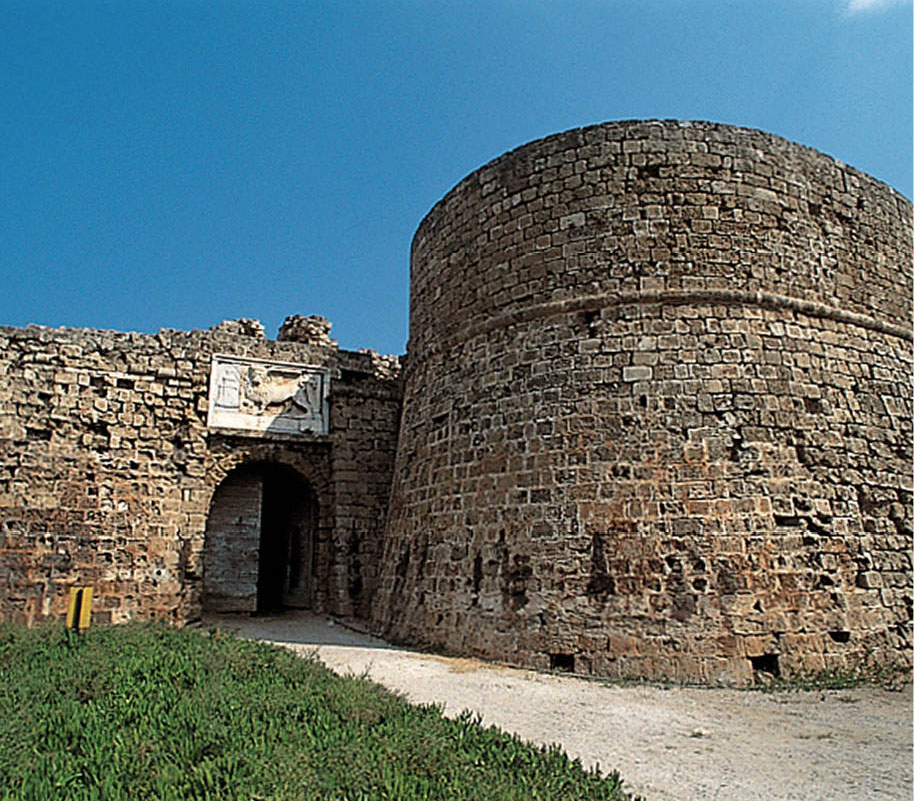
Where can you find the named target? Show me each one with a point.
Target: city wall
(109, 470)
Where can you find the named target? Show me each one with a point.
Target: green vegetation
(149, 712)
(884, 676)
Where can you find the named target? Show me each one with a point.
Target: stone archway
(260, 540)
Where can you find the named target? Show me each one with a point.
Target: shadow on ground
(296, 628)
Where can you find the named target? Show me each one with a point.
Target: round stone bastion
(657, 415)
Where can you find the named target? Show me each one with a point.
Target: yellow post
(79, 609)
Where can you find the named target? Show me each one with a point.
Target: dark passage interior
(287, 522)
(260, 541)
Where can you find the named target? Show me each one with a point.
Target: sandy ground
(679, 744)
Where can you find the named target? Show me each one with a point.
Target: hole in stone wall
(591, 320)
(355, 583)
(766, 663)
(600, 582)
(840, 636)
(403, 562)
(813, 405)
(349, 376)
(100, 427)
(814, 527)
(477, 577)
(423, 558)
(563, 662)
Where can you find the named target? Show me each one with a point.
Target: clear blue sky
(173, 164)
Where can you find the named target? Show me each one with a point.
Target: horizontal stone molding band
(730, 297)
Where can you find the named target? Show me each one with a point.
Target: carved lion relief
(262, 396)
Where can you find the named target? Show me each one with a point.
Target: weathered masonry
(210, 470)
(657, 410)
(656, 421)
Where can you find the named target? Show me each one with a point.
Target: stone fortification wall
(108, 467)
(657, 411)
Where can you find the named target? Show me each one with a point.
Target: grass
(884, 676)
(144, 711)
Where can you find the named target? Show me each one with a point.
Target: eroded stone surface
(658, 411)
(108, 469)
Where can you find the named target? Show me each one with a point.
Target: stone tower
(657, 413)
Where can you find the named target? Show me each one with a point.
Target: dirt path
(679, 744)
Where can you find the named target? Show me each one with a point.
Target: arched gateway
(260, 539)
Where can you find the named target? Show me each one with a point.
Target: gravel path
(680, 744)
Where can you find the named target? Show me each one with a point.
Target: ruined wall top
(313, 330)
(242, 327)
(300, 339)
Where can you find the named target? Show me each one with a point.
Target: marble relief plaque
(265, 396)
